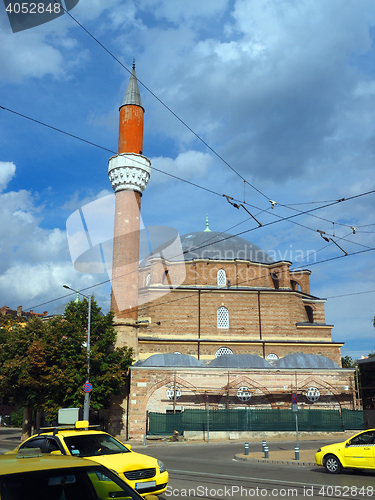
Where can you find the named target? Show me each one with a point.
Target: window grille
(272, 356)
(222, 351)
(244, 394)
(222, 317)
(221, 277)
(312, 394)
(171, 393)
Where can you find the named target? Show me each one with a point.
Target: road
(210, 471)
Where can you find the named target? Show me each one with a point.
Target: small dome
(239, 361)
(57, 311)
(301, 360)
(170, 360)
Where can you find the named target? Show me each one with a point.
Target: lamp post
(86, 404)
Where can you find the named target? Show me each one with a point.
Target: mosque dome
(221, 246)
(239, 361)
(210, 245)
(302, 360)
(169, 360)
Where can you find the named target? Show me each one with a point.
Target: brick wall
(269, 389)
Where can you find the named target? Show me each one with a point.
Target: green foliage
(348, 362)
(7, 321)
(43, 365)
(16, 418)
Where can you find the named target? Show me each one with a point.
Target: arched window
(166, 278)
(295, 286)
(275, 279)
(222, 317)
(272, 357)
(148, 279)
(310, 314)
(222, 351)
(221, 277)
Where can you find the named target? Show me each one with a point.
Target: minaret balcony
(129, 171)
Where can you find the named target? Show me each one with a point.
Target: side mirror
(151, 497)
(348, 443)
(129, 447)
(56, 452)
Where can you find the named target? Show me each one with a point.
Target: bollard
(246, 448)
(263, 444)
(296, 452)
(265, 451)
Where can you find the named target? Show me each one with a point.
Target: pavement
(280, 456)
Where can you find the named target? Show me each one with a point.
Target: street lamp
(86, 404)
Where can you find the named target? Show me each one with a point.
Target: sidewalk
(287, 457)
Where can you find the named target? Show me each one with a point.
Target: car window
(37, 442)
(94, 445)
(79, 483)
(52, 445)
(364, 438)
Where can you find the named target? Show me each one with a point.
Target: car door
(53, 445)
(360, 451)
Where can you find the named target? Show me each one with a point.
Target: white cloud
(28, 54)
(7, 172)
(187, 165)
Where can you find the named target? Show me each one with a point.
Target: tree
(348, 362)
(43, 365)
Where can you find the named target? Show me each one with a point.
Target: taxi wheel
(332, 464)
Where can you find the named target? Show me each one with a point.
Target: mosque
(211, 317)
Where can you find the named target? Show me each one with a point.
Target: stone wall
(268, 388)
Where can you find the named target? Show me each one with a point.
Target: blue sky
(283, 91)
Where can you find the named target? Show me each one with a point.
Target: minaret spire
(132, 94)
(129, 172)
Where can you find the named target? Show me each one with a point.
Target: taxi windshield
(90, 445)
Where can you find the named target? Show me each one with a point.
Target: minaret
(129, 172)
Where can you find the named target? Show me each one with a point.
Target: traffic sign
(294, 398)
(87, 387)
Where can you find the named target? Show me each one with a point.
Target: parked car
(143, 473)
(358, 452)
(34, 476)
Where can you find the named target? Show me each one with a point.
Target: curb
(297, 463)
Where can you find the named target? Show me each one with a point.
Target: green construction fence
(248, 419)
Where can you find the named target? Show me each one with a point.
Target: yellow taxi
(34, 476)
(358, 452)
(145, 474)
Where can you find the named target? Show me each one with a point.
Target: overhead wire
(207, 291)
(172, 175)
(308, 212)
(164, 104)
(280, 218)
(180, 119)
(174, 114)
